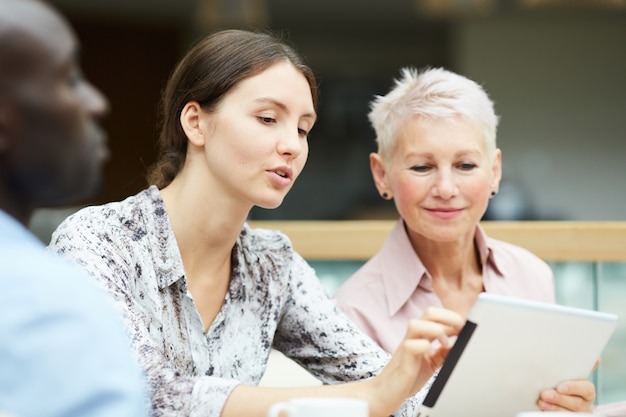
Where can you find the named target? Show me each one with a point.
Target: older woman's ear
(497, 170)
(379, 173)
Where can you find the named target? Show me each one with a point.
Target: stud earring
(493, 193)
(385, 196)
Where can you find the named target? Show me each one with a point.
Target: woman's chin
(269, 205)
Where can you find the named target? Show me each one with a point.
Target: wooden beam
(550, 240)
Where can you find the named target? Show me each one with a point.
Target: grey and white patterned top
(274, 300)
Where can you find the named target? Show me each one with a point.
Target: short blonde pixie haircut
(436, 94)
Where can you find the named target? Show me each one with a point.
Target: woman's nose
(445, 185)
(291, 143)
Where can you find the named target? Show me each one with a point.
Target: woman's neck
(455, 262)
(455, 269)
(206, 229)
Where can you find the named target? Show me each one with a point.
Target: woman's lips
(281, 176)
(444, 213)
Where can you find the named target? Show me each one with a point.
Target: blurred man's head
(51, 146)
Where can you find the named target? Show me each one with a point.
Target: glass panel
(612, 299)
(333, 273)
(574, 283)
(599, 286)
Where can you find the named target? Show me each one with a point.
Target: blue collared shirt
(63, 349)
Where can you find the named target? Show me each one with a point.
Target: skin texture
(249, 151)
(51, 146)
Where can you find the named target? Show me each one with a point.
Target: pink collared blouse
(394, 286)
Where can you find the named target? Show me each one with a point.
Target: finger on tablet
(444, 316)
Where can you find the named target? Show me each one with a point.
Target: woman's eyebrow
(282, 106)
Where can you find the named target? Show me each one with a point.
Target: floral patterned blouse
(274, 300)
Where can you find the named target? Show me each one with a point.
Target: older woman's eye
(420, 168)
(467, 166)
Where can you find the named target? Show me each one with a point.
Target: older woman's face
(441, 177)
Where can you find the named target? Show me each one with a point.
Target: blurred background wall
(556, 70)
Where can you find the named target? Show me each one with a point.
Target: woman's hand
(421, 353)
(575, 396)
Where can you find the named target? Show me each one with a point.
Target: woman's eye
(420, 168)
(302, 132)
(467, 166)
(267, 119)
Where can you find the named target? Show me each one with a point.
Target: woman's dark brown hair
(206, 74)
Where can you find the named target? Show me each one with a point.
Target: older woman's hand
(575, 396)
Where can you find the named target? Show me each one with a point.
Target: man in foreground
(63, 351)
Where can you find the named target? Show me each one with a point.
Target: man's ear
(5, 125)
(190, 120)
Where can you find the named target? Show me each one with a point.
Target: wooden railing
(550, 240)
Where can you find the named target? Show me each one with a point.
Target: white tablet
(509, 350)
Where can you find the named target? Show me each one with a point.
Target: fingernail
(445, 342)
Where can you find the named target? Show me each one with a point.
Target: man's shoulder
(61, 330)
(31, 267)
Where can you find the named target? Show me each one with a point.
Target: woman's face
(440, 176)
(256, 142)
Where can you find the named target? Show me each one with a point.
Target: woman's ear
(497, 169)
(379, 174)
(190, 121)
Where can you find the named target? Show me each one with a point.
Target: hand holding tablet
(511, 349)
